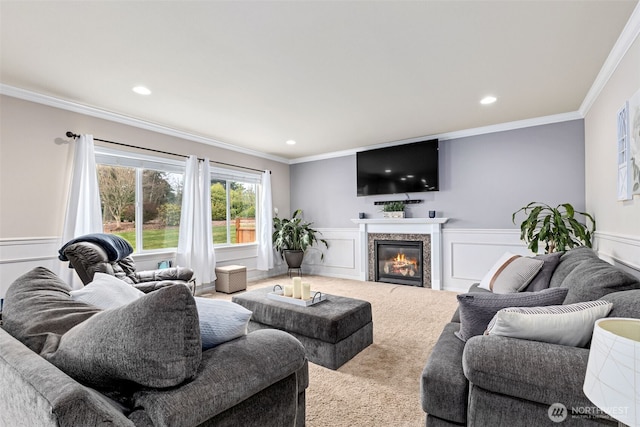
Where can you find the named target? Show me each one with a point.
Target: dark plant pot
(293, 258)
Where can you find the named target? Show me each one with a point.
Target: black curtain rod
(74, 135)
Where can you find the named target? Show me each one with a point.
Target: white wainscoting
(340, 260)
(467, 254)
(20, 255)
(620, 250)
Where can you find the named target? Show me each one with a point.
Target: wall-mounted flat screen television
(407, 168)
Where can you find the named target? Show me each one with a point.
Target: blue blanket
(115, 246)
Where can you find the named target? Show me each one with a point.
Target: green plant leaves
(295, 234)
(556, 227)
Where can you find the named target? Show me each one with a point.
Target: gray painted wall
(483, 179)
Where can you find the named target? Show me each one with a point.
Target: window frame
(225, 174)
(139, 162)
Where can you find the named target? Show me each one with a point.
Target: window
(233, 206)
(141, 198)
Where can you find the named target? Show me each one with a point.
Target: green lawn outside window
(168, 237)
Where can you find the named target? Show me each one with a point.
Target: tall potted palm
(292, 237)
(557, 227)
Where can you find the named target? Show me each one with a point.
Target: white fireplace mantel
(432, 226)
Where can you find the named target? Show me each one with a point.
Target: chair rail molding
(620, 250)
(21, 254)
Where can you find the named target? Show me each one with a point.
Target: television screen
(408, 168)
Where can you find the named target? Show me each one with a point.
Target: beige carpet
(381, 385)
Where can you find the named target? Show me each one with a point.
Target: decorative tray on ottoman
(278, 295)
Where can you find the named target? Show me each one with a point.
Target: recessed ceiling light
(488, 100)
(291, 142)
(141, 90)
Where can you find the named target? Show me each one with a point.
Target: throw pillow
(477, 309)
(153, 341)
(570, 324)
(37, 305)
(107, 292)
(625, 303)
(221, 321)
(511, 273)
(593, 279)
(543, 278)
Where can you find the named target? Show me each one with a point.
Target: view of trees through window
(240, 210)
(159, 202)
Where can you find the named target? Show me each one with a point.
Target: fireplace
(399, 261)
(425, 230)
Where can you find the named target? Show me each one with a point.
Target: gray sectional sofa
(67, 363)
(505, 381)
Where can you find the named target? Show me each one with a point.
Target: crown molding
(519, 124)
(126, 120)
(628, 36)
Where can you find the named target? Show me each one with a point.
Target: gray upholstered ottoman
(332, 331)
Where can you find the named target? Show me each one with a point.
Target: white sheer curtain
(265, 224)
(83, 214)
(195, 243)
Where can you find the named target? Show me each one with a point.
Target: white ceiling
(332, 75)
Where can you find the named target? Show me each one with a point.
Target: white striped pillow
(570, 324)
(511, 273)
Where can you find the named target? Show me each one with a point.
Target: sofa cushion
(107, 292)
(511, 273)
(229, 374)
(625, 303)
(443, 386)
(570, 260)
(477, 309)
(153, 341)
(570, 324)
(542, 280)
(221, 321)
(594, 278)
(529, 370)
(38, 305)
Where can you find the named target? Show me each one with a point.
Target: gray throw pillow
(625, 303)
(477, 309)
(153, 341)
(593, 279)
(543, 278)
(38, 305)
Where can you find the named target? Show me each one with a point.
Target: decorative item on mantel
(393, 210)
(297, 293)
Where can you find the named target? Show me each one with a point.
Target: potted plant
(292, 237)
(393, 210)
(556, 227)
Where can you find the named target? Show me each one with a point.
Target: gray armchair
(110, 254)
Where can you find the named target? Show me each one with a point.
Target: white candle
(297, 287)
(306, 291)
(288, 290)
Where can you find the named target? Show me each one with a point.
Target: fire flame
(401, 259)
